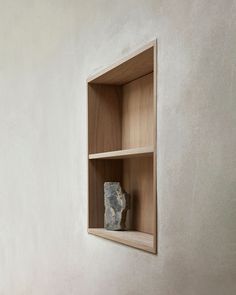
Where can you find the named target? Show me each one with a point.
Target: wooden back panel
(138, 182)
(137, 113)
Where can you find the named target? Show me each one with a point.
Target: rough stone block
(117, 202)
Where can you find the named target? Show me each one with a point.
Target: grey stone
(117, 202)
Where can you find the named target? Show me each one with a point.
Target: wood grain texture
(104, 120)
(136, 177)
(101, 171)
(122, 146)
(138, 182)
(134, 239)
(137, 113)
(128, 69)
(155, 158)
(122, 154)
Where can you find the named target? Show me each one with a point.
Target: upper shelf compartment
(121, 105)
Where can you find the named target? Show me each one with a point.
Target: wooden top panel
(136, 65)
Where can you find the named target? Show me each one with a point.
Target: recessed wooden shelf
(135, 239)
(122, 154)
(122, 145)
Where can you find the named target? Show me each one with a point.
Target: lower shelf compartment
(135, 239)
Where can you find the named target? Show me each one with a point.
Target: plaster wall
(47, 50)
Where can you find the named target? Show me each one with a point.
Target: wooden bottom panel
(134, 239)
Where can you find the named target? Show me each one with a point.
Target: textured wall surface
(47, 50)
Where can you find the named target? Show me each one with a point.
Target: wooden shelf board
(122, 154)
(134, 239)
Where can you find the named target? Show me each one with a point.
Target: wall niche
(122, 145)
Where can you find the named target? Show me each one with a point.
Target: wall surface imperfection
(47, 50)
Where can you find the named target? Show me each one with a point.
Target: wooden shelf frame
(122, 145)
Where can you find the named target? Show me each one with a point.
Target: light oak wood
(122, 143)
(121, 117)
(104, 120)
(128, 69)
(122, 154)
(135, 239)
(137, 179)
(155, 206)
(137, 113)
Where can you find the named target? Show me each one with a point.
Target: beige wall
(47, 50)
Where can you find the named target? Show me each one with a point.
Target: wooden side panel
(155, 209)
(99, 172)
(137, 113)
(104, 124)
(138, 181)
